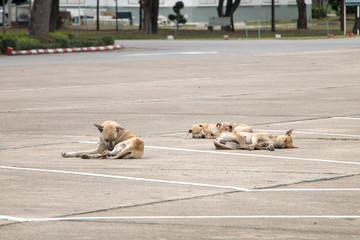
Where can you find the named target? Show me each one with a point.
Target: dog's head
(197, 131)
(284, 141)
(109, 134)
(225, 127)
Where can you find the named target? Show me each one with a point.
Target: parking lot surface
(182, 188)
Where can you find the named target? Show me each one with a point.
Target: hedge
(56, 40)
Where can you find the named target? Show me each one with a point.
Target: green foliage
(318, 13)
(108, 40)
(177, 17)
(7, 42)
(21, 41)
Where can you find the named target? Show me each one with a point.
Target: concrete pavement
(182, 188)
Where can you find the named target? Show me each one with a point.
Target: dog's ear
(218, 125)
(118, 129)
(289, 132)
(101, 128)
(190, 131)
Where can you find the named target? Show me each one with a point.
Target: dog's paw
(85, 156)
(111, 154)
(270, 148)
(252, 147)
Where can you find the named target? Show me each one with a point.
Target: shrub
(8, 42)
(108, 40)
(318, 13)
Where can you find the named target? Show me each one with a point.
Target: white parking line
(307, 190)
(310, 133)
(17, 219)
(169, 53)
(253, 155)
(125, 178)
(244, 154)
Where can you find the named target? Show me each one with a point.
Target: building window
(72, 2)
(268, 2)
(207, 2)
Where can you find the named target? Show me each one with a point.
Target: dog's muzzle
(279, 145)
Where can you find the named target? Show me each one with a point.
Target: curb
(10, 51)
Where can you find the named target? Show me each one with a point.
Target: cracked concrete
(47, 110)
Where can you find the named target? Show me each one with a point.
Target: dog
(265, 140)
(231, 141)
(114, 142)
(204, 130)
(253, 141)
(233, 127)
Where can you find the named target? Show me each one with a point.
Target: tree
(177, 17)
(98, 15)
(55, 19)
(40, 19)
(302, 19)
(151, 11)
(231, 7)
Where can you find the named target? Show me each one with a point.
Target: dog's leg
(87, 154)
(254, 144)
(78, 154)
(241, 140)
(124, 153)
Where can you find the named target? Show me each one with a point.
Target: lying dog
(264, 140)
(233, 127)
(114, 142)
(252, 141)
(231, 141)
(204, 130)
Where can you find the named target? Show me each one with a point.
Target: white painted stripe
(310, 133)
(241, 154)
(253, 155)
(306, 190)
(170, 53)
(178, 217)
(124, 178)
(347, 118)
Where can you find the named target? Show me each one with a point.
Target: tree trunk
(55, 19)
(154, 16)
(302, 19)
(356, 25)
(40, 19)
(342, 17)
(147, 15)
(151, 9)
(97, 15)
(229, 12)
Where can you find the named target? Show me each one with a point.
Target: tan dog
(204, 130)
(265, 140)
(252, 141)
(114, 142)
(232, 141)
(233, 127)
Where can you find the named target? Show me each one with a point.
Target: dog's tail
(220, 146)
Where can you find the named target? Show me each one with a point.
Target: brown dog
(265, 140)
(231, 141)
(252, 141)
(204, 130)
(114, 142)
(233, 127)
